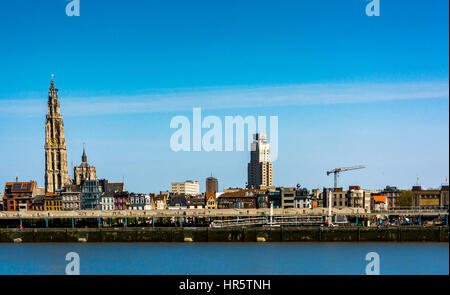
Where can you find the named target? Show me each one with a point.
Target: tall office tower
(260, 170)
(56, 173)
(212, 185)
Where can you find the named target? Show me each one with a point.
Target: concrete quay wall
(201, 234)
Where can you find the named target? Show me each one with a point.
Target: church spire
(53, 102)
(84, 157)
(52, 84)
(84, 171)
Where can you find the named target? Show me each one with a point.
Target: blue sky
(348, 89)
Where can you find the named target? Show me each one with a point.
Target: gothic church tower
(56, 172)
(84, 171)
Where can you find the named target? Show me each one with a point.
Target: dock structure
(392, 234)
(272, 221)
(201, 213)
(222, 218)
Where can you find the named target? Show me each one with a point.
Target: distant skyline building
(212, 185)
(56, 172)
(189, 187)
(260, 169)
(84, 172)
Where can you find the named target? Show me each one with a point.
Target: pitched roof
(210, 195)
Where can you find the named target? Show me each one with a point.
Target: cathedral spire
(84, 157)
(84, 171)
(52, 84)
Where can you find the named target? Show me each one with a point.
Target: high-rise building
(212, 185)
(260, 170)
(56, 173)
(84, 171)
(189, 187)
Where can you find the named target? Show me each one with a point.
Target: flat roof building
(189, 187)
(430, 198)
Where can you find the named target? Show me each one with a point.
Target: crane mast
(336, 172)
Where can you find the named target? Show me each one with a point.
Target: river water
(226, 258)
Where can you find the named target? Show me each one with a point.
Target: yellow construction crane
(339, 170)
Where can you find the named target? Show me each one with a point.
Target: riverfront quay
(252, 234)
(218, 213)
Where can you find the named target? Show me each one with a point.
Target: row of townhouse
(103, 195)
(301, 198)
(92, 195)
(280, 197)
(387, 198)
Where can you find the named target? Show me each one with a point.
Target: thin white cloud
(235, 97)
